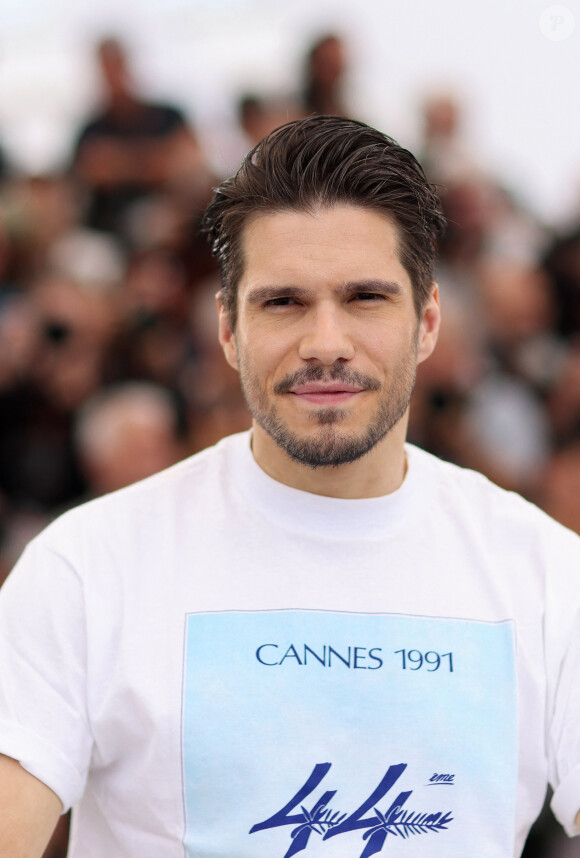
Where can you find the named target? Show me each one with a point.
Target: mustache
(338, 372)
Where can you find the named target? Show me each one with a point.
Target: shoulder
(187, 490)
(160, 118)
(95, 126)
(474, 502)
(171, 113)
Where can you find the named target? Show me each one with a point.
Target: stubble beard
(331, 447)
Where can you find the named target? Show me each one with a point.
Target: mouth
(332, 393)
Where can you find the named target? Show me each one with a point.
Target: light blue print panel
(346, 735)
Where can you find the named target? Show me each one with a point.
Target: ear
(226, 336)
(429, 325)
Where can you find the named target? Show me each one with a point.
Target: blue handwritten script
(447, 780)
(325, 822)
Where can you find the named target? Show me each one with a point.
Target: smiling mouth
(325, 394)
(315, 385)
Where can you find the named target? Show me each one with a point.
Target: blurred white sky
(518, 85)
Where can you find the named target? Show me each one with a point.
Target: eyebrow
(389, 287)
(266, 293)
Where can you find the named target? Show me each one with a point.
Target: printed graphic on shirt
(343, 735)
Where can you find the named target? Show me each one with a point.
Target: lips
(331, 393)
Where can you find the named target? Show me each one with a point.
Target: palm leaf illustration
(405, 823)
(318, 821)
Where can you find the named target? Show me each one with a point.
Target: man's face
(327, 338)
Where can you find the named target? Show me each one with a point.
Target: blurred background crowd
(110, 367)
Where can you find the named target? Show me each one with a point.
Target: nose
(326, 337)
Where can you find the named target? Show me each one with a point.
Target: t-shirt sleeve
(563, 673)
(565, 738)
(43, 713)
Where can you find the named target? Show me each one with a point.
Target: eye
(280, 302)
(369, 296)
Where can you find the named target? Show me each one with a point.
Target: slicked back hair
(320, 162)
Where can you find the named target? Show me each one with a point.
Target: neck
(380, 472)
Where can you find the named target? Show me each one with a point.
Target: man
(131, 148)
(311, 638)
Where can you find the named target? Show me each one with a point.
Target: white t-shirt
(211, 663)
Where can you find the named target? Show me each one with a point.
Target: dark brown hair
(324, 161)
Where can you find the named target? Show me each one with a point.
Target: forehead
(334, 244)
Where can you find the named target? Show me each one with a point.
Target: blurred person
(18, 526)
(154, 339)
(4, 167)
(313, 629)
(483, 216)
(37, 469)
(445, 158)
(444, 382)
(561, 485)
(132, 147)
(78, 321)
(254, 118)
(88, 258)
(506, 415)
(163, 224)
(563, 399)
(125, 433)
(11, 262)
(156, 283)
(324, 70)
(209, 384)
(36, 466)
(468, 207)
(489, 258)
(18, 349)
(18, 339)
(58, 356)
(514, 232)
(562, 264)
(38, 210)
(46, 206)
(43, 219)
(519, 312)
(509, 430)
(465, 412)
(259, 115)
